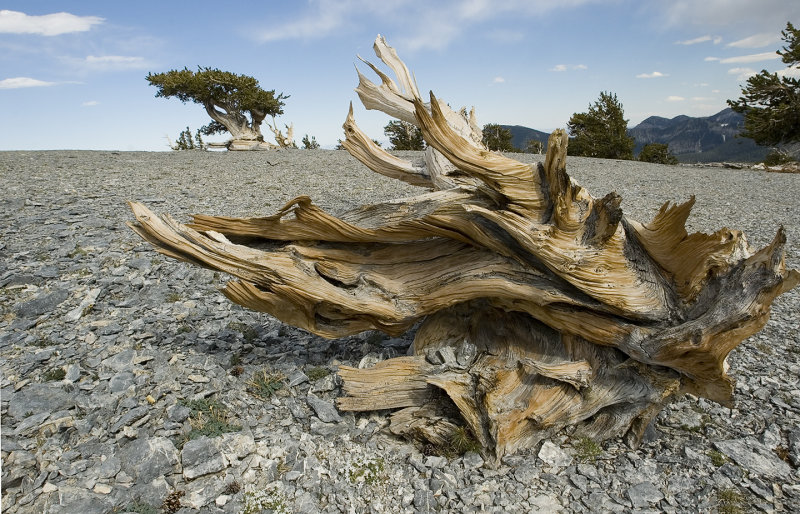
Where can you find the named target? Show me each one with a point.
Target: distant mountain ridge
(704, 139)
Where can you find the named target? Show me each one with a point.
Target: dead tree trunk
(542, 307)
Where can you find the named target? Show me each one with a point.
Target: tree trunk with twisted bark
(541, 308)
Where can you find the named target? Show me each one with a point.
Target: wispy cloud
(742, 73)
(20, 82)
(760, 16)
(702, 39)
(757, 41)
(498, 80)
(793, 72)
(90, 103)
(674, 98)
(741, 59)
(115, 62)
(15, 22)
(433, 25)
(654, 75)
(566, 67)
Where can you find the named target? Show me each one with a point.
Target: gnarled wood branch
(541, 306)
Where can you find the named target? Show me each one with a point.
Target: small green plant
(42, 342)
(462, 441)
(209, 418)
(264, 384)
(173, 297)
(310, 144)
(236, 359)
(587, 449)
(248, 332)
(268, 499)
(366, 470)
(731, 501)
(717, 458)
(184, 329)
(776, 158)
(658, 153)
(79, 251)
(54, 374)
(764, 348)
(316, 373)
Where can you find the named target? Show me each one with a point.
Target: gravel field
(130, 384)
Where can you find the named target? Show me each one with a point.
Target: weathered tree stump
(541, 308)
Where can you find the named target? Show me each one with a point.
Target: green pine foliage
(497, 138)
(770, 102)
(185, 141)
(225, 95)
(658, 153)
(310, 144)
(404, 136)
(601, 131)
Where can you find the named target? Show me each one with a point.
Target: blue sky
(72, 73)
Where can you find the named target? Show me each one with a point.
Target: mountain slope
(710, 138)
(521, 135)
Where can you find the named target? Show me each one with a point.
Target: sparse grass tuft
(209, 418)
(366, 470)
(173, 297)
(587, 449)
(54, 374)
(249, 333)
(731, 501)
(264, 384)
(316, 373)
(717, 458)
(270, 499)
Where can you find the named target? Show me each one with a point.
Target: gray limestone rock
(38, 398)
(324, 410)
(644, 495)
(200, 457)
(552, 455)
(754, 456)
(42, 304)
(145, 459)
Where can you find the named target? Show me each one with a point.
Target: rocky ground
(130, 384)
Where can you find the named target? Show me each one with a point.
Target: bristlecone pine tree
(540, 307)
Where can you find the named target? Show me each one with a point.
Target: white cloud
(673, 98)
(20, 82)
(756, 16)
(15, 22)
(90, 103)
(766, 56)
(701, 39)
(654, 75)
(757, 41)
(115, 62)
(565, 67)
(793, 72)
(711, 59)
(742, 73)
(498, 80)
(433, 25)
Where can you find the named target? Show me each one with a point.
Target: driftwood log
(538, 307)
